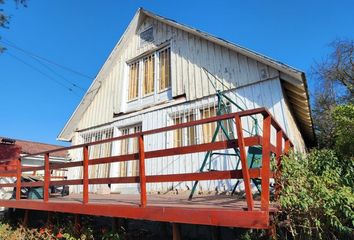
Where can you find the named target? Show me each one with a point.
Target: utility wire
(11, 44)
(223, 84)
(57, 74)
(43, 73)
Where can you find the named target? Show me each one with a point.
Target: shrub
(316, 199)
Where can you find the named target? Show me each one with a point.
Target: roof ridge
(29, 141)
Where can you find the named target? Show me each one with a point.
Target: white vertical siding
(252, 96)
(257, 85)
(189, 53)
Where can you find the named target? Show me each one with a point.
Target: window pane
(208, 128)
(99, 151)
(185, 136)
(135, 163)
(165, 66)
(149, 73)
(133, 81)
(191, 131)
(128, 146)
(178, 140)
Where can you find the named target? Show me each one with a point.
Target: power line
(11, 44)
(43, 73)
(57, 74)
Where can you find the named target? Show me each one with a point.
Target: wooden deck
(217, 210)
(165, 200)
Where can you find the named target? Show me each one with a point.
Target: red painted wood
(67, 182)
(249, 141)
(46, 178)
(287, 146)
(214, 175)
(185, 214)
(245, 172)
(18, 180)
(85, 174)
(265, 163)
(262, 111)
(142, 176)
(189, 215)
(8, 174)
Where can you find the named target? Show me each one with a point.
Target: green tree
(343, 118)
(5, 19)
(335, 85)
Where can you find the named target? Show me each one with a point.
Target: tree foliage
(338, 67)
(343, 117)
(335, 85)
(316, 200)
(5, 18)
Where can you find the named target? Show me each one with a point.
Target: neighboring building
(11, 149)
(154, 77)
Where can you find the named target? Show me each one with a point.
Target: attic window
(147, 36)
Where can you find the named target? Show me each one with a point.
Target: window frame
(160, 90)
(136, 63)
(185, 133)
(140, 61)
(129, 146)
(153, 56)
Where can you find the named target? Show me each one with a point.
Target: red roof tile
(29, 147)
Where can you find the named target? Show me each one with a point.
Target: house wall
(253, 85)
(249, 97)
(189, 54)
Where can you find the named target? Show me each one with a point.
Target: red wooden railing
(241, 142)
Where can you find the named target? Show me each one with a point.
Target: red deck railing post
(287, 146)
(265, 171)
(18, 179)
(85, 182)
(279, 149)
(46, 177)
(142, 176)
(245, 172)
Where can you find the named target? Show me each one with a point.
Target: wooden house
(162, 73)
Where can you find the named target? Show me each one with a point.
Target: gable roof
(294, 81)
(30, 147)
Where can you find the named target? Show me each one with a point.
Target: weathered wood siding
(254, 85)
(188, 55)
(252, 96)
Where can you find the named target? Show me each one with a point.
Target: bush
(343, 117)
(316, 200)
(57, 231)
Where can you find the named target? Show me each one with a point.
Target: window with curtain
(184, 136)
(149, 74)
(165, 69)
(133, 81)
(128, 146)
(154, 68)
(209, 129)
(99, 151)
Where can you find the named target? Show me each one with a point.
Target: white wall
(252, 96)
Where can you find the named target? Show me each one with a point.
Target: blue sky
(81, 34)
